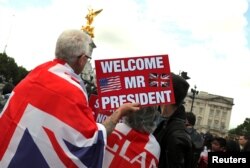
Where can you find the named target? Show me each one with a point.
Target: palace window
(211, 113)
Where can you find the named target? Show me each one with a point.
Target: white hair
(73, 43)
(144, 120)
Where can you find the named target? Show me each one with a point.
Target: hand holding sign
(127, 108)
(124, 110)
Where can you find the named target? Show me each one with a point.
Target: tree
(242, 129)
(8, 67)
(22, 72)
(10, 72)
(8, 88)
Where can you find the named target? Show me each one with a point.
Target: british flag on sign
(47, 122)
(159, 80)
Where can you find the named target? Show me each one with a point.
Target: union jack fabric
(159, 80)
(127, 147)
(110, 83)
(47, 122)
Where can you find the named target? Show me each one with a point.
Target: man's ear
(81, 60)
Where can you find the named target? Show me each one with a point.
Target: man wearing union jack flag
(47, 121)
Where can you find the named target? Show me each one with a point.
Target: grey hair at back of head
(71, 44)
(144, 120)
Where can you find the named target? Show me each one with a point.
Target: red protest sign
(99, 115)
(146, 80)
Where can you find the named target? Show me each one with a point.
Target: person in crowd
(175, 143)
(196, 137)
(7, 89)
(242, 141)
(219, 144)
(208, 137)
(203, 159)
(48, 122)
(232, 146)
(246, 147)
(132, 143)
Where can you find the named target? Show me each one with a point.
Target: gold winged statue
(90, 18)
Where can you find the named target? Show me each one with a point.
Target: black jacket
(175, 143)
(197, 143)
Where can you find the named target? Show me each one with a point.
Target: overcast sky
(207, 38)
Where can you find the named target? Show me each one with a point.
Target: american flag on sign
(159, 80)
(110, 84)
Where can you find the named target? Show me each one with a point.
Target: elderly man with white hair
(47, 121)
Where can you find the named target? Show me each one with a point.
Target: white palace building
(213, 112)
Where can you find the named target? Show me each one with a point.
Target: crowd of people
(151, 136)
(6, 91)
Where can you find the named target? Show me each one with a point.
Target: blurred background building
(213, 112)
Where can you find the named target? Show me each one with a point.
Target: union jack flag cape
(47, 122)
(128, 148)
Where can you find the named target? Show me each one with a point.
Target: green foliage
(22, 72)
(8, 87)
(10, 71)
(242, 129)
